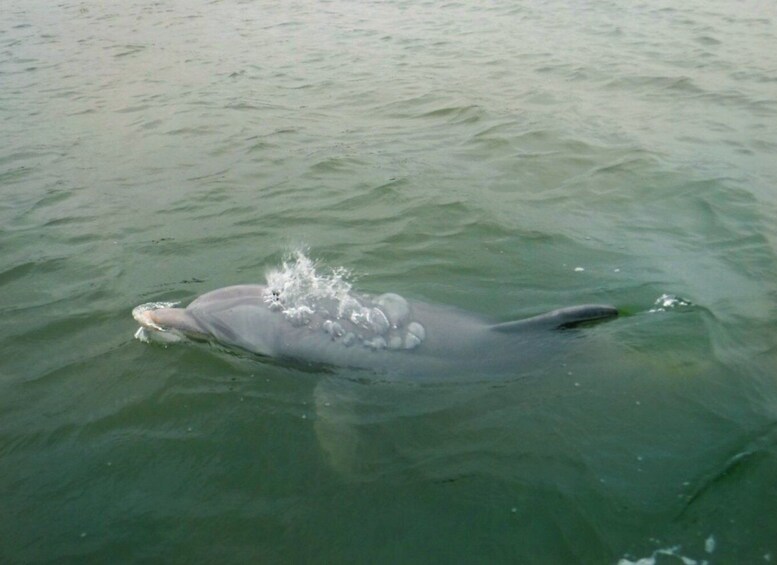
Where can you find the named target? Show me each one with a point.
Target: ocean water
(505, 158)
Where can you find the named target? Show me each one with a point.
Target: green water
(503, 157)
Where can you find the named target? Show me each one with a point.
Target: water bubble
(412, 341)
(395, 307)
(417, 330)
(395, 342)
(378, 321)
(376, 343)
(333, 328)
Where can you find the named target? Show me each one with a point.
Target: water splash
(306, 296)
(149, 331)
(298, 289)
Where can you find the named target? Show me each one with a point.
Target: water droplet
(709, 544)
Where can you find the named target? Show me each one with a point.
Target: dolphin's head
(236, 316)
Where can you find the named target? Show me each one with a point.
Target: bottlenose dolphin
(385, 333)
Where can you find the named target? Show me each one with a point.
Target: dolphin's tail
(561, 319)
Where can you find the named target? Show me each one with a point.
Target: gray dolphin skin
(385, 333)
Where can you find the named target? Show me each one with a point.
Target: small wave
(657, 84)
(667, 302)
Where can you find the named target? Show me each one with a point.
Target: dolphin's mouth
(150, 330)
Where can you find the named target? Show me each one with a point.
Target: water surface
(506, 158)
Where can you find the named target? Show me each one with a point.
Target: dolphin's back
(560, 319)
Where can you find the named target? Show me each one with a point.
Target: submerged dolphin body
(384, 333)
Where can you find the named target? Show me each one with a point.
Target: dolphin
(387, 333)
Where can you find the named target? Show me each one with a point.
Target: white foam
(709, 547)
(671, 551)
(669, 302)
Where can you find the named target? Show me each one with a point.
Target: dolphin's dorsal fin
(560, 319)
